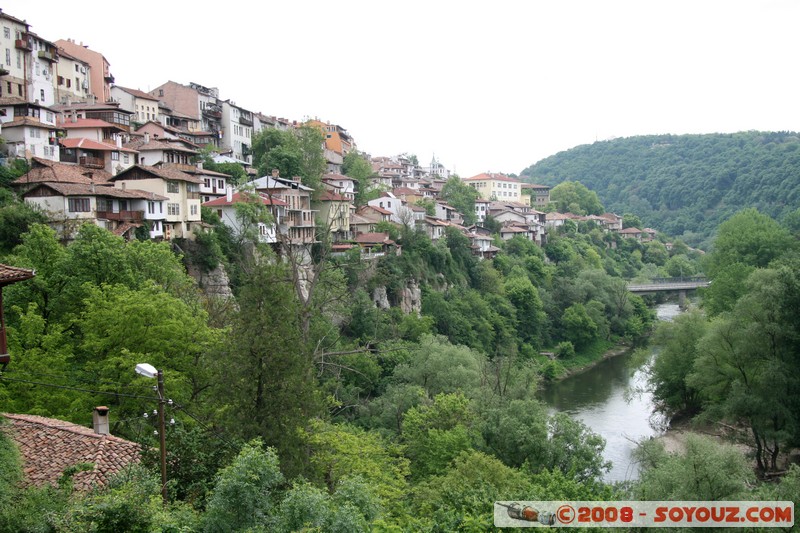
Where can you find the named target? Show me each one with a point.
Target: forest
(684, 185)
(298, 404)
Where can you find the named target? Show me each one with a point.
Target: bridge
(679, 285)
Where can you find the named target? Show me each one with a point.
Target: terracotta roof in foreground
(48, 446)
(10, 274)
(45, 170)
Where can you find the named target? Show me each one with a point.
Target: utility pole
(162, 435)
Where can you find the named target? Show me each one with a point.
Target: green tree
(630, 220)
(461, 196)
(244, 493)
(357, 166)
(751, 238)
(578, 326)
(574, 197)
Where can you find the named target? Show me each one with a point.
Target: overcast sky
(486, 86)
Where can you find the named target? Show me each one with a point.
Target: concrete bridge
(679, 285)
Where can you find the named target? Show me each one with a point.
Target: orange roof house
(48, 446)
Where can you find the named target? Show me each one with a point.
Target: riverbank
(616, 350)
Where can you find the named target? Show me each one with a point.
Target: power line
(118, 394)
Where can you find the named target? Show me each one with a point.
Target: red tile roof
(81, 189)
(373, 238)
(48, 446)
(631, 231)
(89, 123)
(165, 173)
(28, 121)
(50, 171)
(88, 144)
(328, 196)
(10, 274)
(491, 176)
(237, 197)
(137, 93)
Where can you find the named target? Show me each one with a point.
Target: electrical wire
(109, 393)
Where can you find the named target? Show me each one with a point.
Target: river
(605, 398)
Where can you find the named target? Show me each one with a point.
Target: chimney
(275, 173)
(146, 138)
(100, 420)
(229, 194)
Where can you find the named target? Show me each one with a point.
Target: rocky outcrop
(213, 284)
(411, 298)
(380, 298)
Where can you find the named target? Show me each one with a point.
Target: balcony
(23, 44)
(91, 162)
(212, 112)
(122, 216)
(4, 71)
(109, 78)
(48, 56)
(191, 195)
(245, 120)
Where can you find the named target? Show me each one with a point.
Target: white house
(225, 207)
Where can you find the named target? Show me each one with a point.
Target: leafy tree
(15, 219)
(750, 238)
(461, 196)
(244, 493)
(574, 197)
(310, 140)
(678, 341)
(708, 470)
(630, 220)
(579, 328)
(357, 166)
(574, 449)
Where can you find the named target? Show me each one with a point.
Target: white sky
(493, 86)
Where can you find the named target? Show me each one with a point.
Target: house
(374, 213)
(337, 139)
(214, 184)
(14, 70)
(613, 222)
(375, 244)
(448, 213)
(195, 101)
(299, 224)
(433, 227)
(360, 224)
(340, 184)
(41, 68)
(494, 186)
(648, 234)
(538, 196)
(100, 74)
(48, 447)
(29, 130)
(481, 209)
(555, 220)
(437, 170)
(237, 131)
(388, 202)
(511, 231)
(152, 151)
(182, 191)
(334, 213)
(109, 112)
(121, 211)
(46, 171)
(95, 143)
(482, 244)
(72, 76)
(225, 207)
(142, 105)
(632, 233)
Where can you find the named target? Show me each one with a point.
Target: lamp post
(148, 370)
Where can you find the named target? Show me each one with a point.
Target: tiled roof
(13, 100)
(404, 190)
(491, 176)
(28, 121)
(89, 123)
(557, 216)
(328, 196)
(155, 144)
(88, 144)
(166, 173)
(380, 210)
(10, 274)
(49, 446)
(81, 189)
(137, 93)
(238, 198)
(373, 238)
(631, 231)
(206, 172)
(50, 171)
(334, 176)
(356, 219)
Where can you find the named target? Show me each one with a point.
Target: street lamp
(149, 371)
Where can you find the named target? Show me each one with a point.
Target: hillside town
(128, 160)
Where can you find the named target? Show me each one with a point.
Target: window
(207, 182)
(78, 205)
(49, 115)
(41, 96)
(173, 209)
(126, 159)
(193, 209)
(34, 133)
(151, 208)
(220, 184)
(6, 32)
(38, 69)
(77, 81)
(69, 83)
(173, 187)
(8, 56)
(115, 156)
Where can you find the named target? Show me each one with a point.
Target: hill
(684, 185)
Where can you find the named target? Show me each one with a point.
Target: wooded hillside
(684, 185)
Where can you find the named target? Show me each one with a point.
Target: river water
(610, 399)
